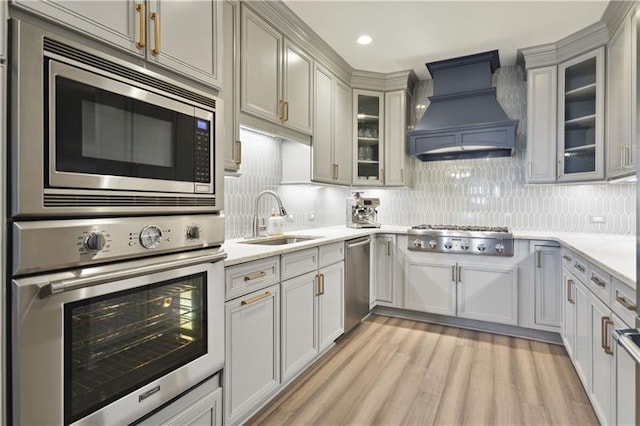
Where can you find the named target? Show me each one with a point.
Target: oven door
(107, 134)
(110, 344)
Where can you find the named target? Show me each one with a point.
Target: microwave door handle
(57, 287)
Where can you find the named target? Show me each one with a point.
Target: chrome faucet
(256, 224)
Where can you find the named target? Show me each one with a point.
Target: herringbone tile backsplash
(462, 192)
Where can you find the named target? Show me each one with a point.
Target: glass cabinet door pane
(116, 343)
(579, 151)
(368, 119)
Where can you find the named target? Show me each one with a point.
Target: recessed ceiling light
(364, 39)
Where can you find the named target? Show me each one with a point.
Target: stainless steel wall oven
(109, 342)
(92, 134)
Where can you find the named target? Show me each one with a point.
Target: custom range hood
(464, 119)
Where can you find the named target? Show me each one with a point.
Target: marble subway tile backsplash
(463, 192)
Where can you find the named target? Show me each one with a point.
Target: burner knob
(94, 241)
(417, 243)
(482, 247)
(193, 232)
(433, 244)
(499, 247)
(448, 245)
(464, 245)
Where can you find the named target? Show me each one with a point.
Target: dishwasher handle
(629, 340)
(358, 242)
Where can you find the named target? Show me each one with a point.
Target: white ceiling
(407, 34)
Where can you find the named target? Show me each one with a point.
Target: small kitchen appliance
(362, 211)
(480, 240)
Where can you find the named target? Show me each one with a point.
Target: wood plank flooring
(391, 371)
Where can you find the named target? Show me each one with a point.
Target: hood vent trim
(464, 119)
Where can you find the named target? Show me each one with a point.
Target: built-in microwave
(94, 134)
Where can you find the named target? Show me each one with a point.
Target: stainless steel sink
(279, 240)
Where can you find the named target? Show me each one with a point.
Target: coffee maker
(362, 211)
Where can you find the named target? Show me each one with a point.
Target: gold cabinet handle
(569, 298)
(453, 273)
(607, 348)
(598, 281)
(317, 283)
(322, 281)
(155, 17)
(256, 299)
(281, 109)
(539, 258)
(459, 275)
(238, 152)
(255, 276)
(140, 7)
(286, 109)
(624, 302)
(388, 247)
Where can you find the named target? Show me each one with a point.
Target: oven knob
(464, 245)
(417, 243)
(193, 232)
(448, 245)
(150, 236)
(433, 244)
(482, 247)
(94, 241)
(499, 247)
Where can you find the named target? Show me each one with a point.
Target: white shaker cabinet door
(488, 293)
(186, 37)
(230, 92)
(252, 351)
(342, 141)
(569, 313)
(299, 310)
(548, 286)
(384, 247)
(430, 287)
(260, 78)
(582, 350)
(603, 362)
(395, 137)
(114, 22)
(322, 145)
(542, 87)
(297, 88)
(331, 305)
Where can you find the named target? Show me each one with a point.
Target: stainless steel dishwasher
(356, 286)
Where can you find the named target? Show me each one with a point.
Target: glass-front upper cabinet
(581, 117)
(369, 134)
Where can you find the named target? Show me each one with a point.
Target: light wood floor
(391, 371)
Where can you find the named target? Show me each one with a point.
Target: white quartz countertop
(615, 254)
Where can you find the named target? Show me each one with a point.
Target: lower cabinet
(483, 292)
(312, 316)
(383, 271)
(625, 386)
(547, 288)
(583, 333)
(603, 355)
(252, 351)
(202, 406)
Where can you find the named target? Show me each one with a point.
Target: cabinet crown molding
(615, 13)
(589, 38)
(370, 80)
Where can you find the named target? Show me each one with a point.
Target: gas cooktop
(481, 240)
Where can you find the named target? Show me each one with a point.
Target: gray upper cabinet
(395, 137)
(621, 105)
(542, 84)
(230, 76)
(276, 76)
(342, 132)
(181, 36)
(120, 23)
(581, 117)
(184, 36)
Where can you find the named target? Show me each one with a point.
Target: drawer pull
(256, 299)
(579, 267)
(255, 276)
(624, 302)
(598, 281)
(569, 298)
(155, 17)
(567, 258)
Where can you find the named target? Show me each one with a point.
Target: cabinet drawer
(577, 265)
(299, 262)
(331, 253)
(623, 301)
(251, 276)
(600, 283)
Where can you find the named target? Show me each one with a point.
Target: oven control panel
(73, 243)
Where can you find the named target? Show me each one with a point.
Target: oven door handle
(56, 287)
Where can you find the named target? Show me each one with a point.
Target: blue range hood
(464, 119)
